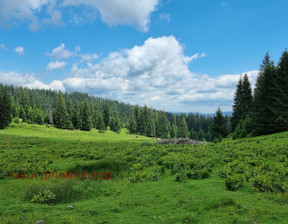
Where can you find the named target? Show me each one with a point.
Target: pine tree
(95, 114)
(173, 127)
(218, 127)
(25, 101)
(106, 115)
(132, 126)
(5, 107)
(151, 129)
(137, 118)
(242, 106)
(86, 123)
(237, 107)
(263, 99)
(76, 117)
(193, 134)
(280, 95)
(182, 127)
(201, 135)
(162, 128)
(144, 117)
(115, 123)
(247, 97)
(61, 115)
(101, 124)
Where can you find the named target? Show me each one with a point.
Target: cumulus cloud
(60, 52)
(29, 81)
(56, 65)
(156, 73)
(19, 50)
(45, 12)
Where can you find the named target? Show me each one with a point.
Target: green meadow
(235, 181)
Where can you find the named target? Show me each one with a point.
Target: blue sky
(176, 55)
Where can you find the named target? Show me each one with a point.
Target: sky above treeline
(175, 55)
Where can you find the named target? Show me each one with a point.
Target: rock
(70, 207)
(40, 222)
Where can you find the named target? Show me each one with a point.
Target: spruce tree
(61, 115)
(137, 118)
(151, 129)
(101, 124)
(5, 107)
(86, 123)
(218, 128)
(25, 101)
(242, 106)
(201, 135)
(173, 127)
(182, 127)
(193, 134)
(247, 97)
(280, 95)
(132, 126)
(262, 116)
(237, 107)
(162, 128)
(95, 115)
(76, 117)
(106, 115)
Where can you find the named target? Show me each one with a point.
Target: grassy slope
(119, 201)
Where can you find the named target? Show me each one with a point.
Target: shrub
(234, 182)
(44, 197)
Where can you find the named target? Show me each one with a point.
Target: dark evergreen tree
(115, 123)
(137, 118)
(76, 117)
(101, 124)
(280, 95)
(262, 116)
(173, 127)
(242, 106)
(95, 114)
(201, 135)
(162, 128)
(86, 123)
(132, 126)
(25, 102)
(218, 127)
(61, 115)
(5, 107)
(183, 127)
(193, 134)
(151, 129)
(106, 115)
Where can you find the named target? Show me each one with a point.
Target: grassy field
(240, 181)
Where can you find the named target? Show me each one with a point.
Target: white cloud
(156, 73)
(29, 81)
(88, 57)
(39, 13)
(56, 65)
(19, 50)
(60, 52)
(3, 47)
(164, 17)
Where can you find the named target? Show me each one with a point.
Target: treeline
(81, 111)
(266, 110)
(148, 122)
